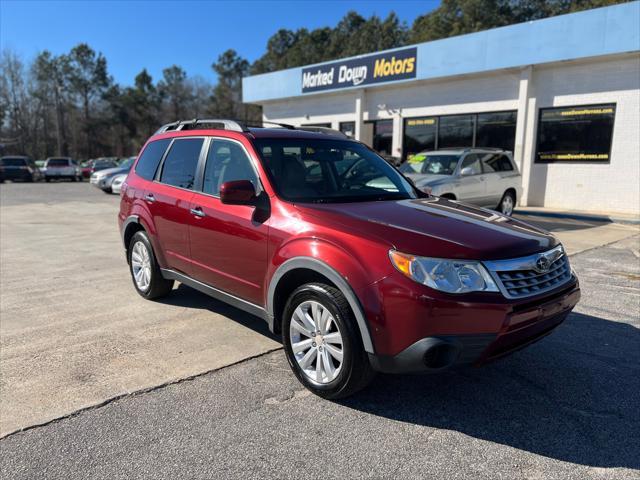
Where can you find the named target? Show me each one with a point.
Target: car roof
(293, 133)
(14, 156)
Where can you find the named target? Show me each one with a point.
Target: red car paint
(354, 240)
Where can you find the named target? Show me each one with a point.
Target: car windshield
(58, 162)
(128, 162)
(324, 171)
(13, 162)
(431, 164)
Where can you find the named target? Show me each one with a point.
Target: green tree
(457, 17)
(174, 91)
(89, 80)
(226, 101)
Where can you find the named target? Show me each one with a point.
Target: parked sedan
(479, 176)
(19, 168)
(104, 178)
(116, 184)
(96, 165)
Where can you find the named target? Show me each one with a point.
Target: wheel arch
(130, 226)
(300, 270)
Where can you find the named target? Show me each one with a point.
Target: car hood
(422, 179)
(437, 227)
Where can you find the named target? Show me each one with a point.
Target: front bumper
(101, 182)
(523, 325)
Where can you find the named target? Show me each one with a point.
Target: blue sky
(155, 34)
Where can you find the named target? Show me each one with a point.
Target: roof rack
(325, 130)
(190, 124)
(237, 126)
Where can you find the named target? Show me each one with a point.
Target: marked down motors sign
(365, 70)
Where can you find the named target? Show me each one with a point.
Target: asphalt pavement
(566, 407)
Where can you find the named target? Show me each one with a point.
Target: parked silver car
(103, 179)
(480, 176)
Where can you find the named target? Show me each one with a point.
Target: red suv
(322, 238)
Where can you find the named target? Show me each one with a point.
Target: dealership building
(563, 94)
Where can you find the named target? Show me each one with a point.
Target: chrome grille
(522, 277)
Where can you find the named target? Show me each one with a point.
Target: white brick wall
(613, 187)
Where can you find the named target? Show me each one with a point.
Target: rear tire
(145, 272)
(507, 204)
(329, 335)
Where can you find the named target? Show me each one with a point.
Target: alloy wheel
(316, 342)
(141, 265)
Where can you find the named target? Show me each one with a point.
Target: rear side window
(179, 168)
(150, 158)
(496, 163)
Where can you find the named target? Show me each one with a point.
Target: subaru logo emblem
(542, 264)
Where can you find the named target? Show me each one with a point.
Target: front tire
(322, 343)
(145, 272)
(507, 204)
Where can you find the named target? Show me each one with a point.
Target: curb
(580, 216)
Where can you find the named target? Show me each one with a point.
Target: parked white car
(116, 183)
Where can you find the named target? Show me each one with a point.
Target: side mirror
(466, 171)
(238, 192)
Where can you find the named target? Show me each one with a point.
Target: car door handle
(150, 198)
(197, 211)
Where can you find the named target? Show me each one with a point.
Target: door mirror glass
(238, 192)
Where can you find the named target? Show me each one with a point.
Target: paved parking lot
(73, 334)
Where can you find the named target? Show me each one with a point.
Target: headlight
(451, 276)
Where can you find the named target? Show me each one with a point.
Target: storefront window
(419, 135)
(456, 131)
(497, 130)
(382, 136)
(348, 128)
(490, 129)
(582, 133)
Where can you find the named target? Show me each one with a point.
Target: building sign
(367, 70)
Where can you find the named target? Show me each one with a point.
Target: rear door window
(180, 164)
(13, 162)
(150, 159)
